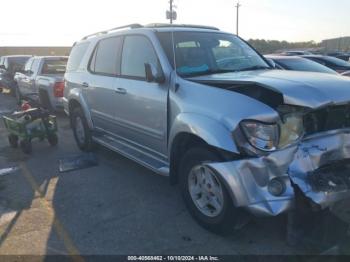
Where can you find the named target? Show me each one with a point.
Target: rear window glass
(54, 67)
(76, 56)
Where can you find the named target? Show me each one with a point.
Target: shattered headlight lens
(260, 135)
(291, 129)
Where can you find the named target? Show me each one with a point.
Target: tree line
(272, 46)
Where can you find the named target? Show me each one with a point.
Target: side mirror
(29, 72)
(271, 63)
(2, 67)
(153, 74)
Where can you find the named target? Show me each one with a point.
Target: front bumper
(298, 167)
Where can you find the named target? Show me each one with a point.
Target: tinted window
(304, 65)
(54, 66)
(137, 51)
(35, 66)
(105, 58)
(76, 56)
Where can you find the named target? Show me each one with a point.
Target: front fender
(211, 131)
(75, 96)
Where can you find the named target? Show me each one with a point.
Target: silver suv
(206, 109)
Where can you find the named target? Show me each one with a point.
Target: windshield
(200, 53)
(300, 64)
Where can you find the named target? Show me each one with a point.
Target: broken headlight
(291, 129)
(260, 135)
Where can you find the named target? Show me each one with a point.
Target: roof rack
(131, 26)
(159, 25)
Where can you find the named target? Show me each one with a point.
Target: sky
(62, 22)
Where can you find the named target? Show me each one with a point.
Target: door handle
(85, 84)
(121, 91)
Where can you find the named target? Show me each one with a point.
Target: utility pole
(171, 13)
(238, 5)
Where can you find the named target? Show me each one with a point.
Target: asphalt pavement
(117, 207)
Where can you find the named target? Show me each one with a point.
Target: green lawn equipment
(24, 126)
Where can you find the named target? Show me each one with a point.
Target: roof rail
(131, 26)
(159, 25)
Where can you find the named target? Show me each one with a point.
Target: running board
(134, 154)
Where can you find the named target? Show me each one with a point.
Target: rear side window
(76, 56)
(137, 51)
(105, 58)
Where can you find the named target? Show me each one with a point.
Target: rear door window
(105, 58)
(76, 56)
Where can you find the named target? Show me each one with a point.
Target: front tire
(81, 130)
(205, 194)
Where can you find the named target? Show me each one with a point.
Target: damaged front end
(310, 155)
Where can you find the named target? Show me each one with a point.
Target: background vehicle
(340, 55)
(293, 53)
(204, 108)
(9, 66)
(42, 80)
(347, 73)
(333, 63)
(299, 64)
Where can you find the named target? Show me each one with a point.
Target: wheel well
(185, 141)
(71, 106)
(181, 144)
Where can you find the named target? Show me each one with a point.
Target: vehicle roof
(50, 56)
(315, 56)
(9, 56)
(155, 27)
(284, 57)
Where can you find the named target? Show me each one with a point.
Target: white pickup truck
(42, 80)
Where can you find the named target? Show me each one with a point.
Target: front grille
(326, 119)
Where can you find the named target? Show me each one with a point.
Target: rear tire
(205, 194)
(26, 146)
(13, 140)
(52, 139)
(81, 130)
(18, 95)
(44, 100)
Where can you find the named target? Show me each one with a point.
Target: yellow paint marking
(58, 226)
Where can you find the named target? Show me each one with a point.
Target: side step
(149, 161)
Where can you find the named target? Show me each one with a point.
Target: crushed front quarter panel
(247, 179)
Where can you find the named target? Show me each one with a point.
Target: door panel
(102, 83)
(141, 109)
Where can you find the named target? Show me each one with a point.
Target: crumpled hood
(298, 88)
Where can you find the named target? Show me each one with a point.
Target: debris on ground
(77, 162)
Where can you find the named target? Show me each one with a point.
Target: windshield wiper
(252, 68)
